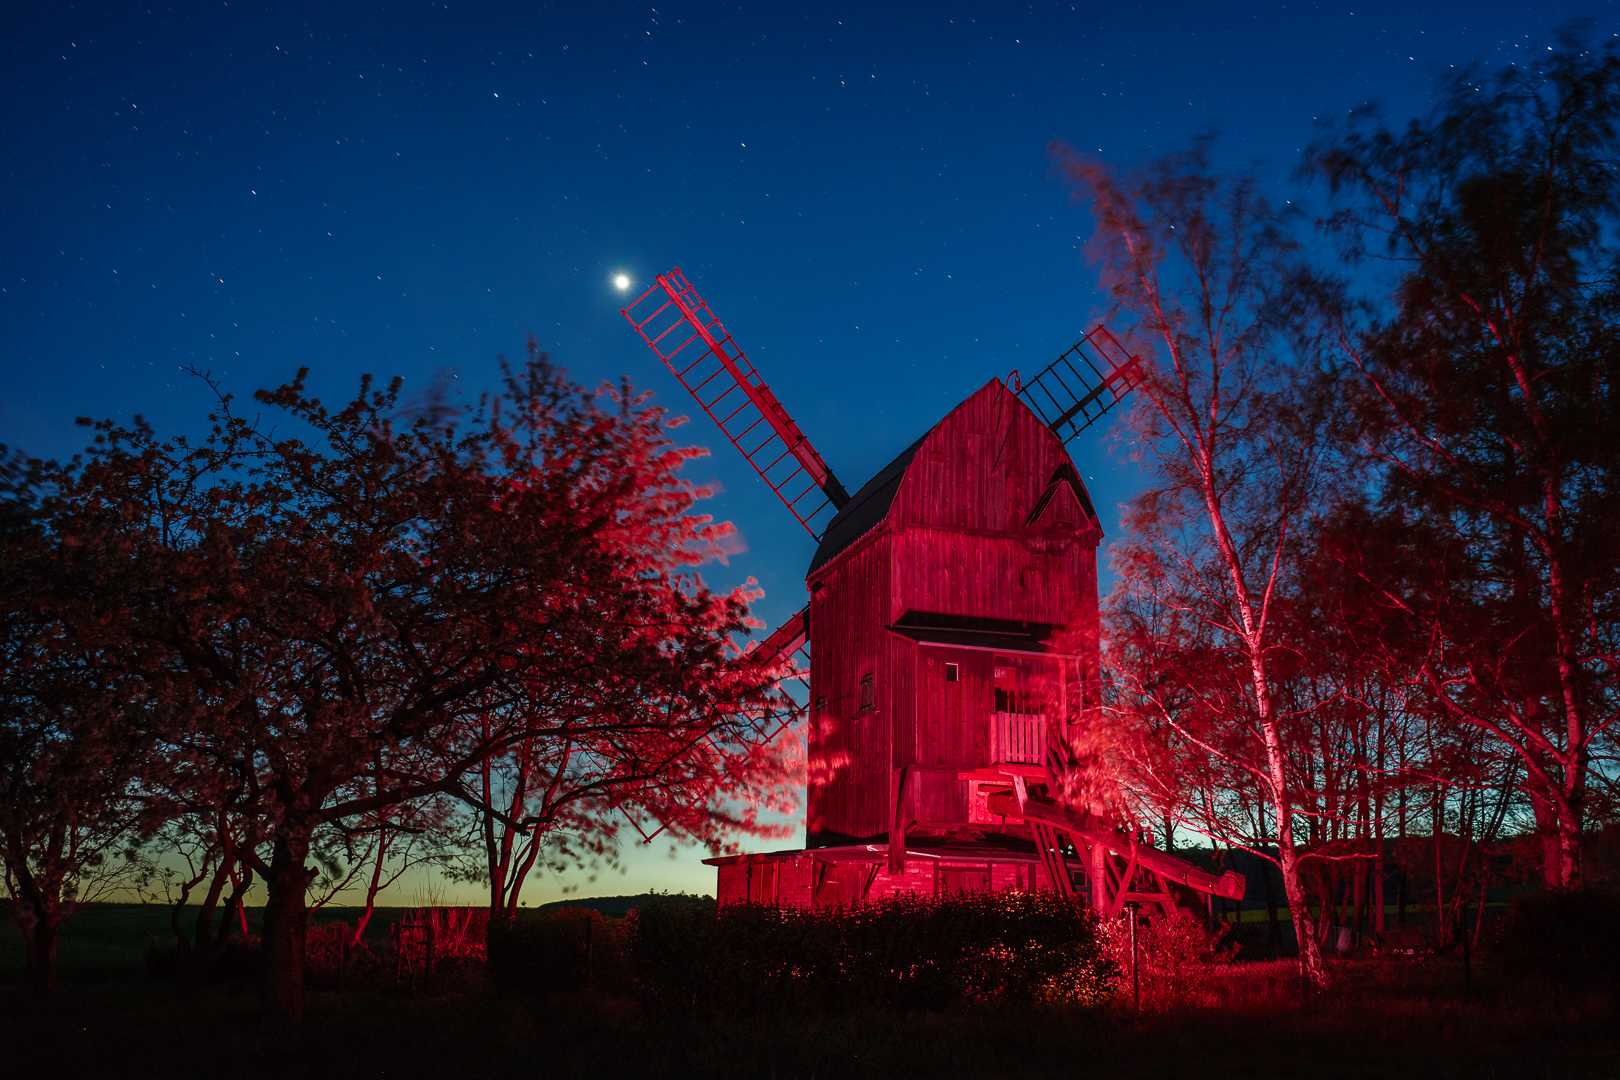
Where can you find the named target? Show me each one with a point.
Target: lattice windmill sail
(950, 594)
(680, 328)
(677, 325)
(1073, 392)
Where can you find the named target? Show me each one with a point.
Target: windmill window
(868, 694)
(953, 673)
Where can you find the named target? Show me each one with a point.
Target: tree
(69, 816)
(203, 851)
(563, 795)
(384, 600)
(1488, 399)
(379, 848)
(1200, 264)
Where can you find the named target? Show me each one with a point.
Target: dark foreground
(1381, 1020)
(1419, 1026)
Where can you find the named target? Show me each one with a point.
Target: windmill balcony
(1017, 738)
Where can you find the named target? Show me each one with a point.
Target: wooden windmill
(953, 635)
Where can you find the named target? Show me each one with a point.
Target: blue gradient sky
(862, 192)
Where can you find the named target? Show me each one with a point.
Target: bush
(238, 958)
(739, 960)
(1175, 955)
(562, 951)
(333, 961)
(1570, 936)
(905, 953)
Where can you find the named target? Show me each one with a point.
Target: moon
(621, 281)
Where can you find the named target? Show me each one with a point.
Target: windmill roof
(987, 641)
(866, 510)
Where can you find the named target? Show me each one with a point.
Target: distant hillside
(619, 905)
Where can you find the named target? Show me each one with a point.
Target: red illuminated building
(953, 630)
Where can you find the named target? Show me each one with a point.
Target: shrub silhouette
(905, 953)
(1571, 936)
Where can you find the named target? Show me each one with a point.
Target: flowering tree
(70, 818)
(385, 594)
(564, 794)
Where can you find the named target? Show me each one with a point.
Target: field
(1380, 1020)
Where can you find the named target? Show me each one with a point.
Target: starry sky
(862, 192)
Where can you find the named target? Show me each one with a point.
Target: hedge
(907, 953)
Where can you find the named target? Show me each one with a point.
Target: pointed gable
(1064, 506)
(1059, 508)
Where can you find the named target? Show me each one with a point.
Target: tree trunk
(371, 890)
(1282, 809)
(1442, 929)
(39, 944)
(281, 963)
(1569, 852)
(530, 853)
(206, 942)
(238, 900)
(1310, 955)
(37, 906)
(1274, 927)
(1378, 882)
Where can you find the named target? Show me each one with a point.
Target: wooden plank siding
(849, 750)
(988, 576)
(979, 528)
(801, 880)
(981, 469)
(957, 735)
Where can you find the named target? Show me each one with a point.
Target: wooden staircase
(1119, 869)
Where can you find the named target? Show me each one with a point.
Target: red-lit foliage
(904, 953)
(1200, 264)
(334, 627)
(1168, 962)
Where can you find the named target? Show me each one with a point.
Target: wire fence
(1258, 938)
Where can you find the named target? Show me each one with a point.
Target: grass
(109, 942)
(1379, 1020)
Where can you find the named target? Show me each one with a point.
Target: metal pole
(1136, 974)
(1468, 970)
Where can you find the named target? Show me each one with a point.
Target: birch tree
(1488, 397)
(1198, 266)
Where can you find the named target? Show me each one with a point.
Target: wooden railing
(1017, 738)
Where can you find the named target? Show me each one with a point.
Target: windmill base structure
(954, 638)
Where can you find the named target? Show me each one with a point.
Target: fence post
(432, 934)
(1136, 973)
(1468, 970)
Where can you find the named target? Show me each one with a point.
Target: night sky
(861, 192)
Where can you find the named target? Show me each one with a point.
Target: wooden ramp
(1119, 870)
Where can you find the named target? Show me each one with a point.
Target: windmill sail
(677, 325)
(1074, 392)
